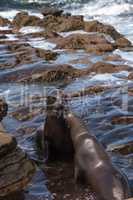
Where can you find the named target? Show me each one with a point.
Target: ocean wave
(100, 7)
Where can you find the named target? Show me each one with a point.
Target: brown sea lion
(94, 165)
(56, 133)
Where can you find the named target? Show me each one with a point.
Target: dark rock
(52, 11)
(46, 54)
(3, 108)
(122, 120)
(3, 37)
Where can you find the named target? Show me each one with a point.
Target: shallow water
(96, 111)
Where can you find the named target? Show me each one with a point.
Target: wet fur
(93, 165)
(57, 134)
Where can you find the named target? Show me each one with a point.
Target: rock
(52, 11)
(16, 170)
(8, 31)
(123, 149)
(94, 43)
(113, 58)
(63, 23)
(24, 53)
(16, 47)
(103, 67)
(123, 42)
(43, 73)
(96, 26)
(24, 113)
(46, 34)
(63, 73)
(99, 48)
(130, 76)
(3, 108)
(46, 54)
(4, 21)
(93, 90)
(24, 19)
(122, 120)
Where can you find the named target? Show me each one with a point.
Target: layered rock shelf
(16, 170)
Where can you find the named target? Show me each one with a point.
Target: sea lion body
(57, 133)
(93, 164)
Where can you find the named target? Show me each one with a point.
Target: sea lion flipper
(79, 175)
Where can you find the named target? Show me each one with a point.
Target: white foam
(11, 37)
(36, 14)
(31, 29)
(108, 79)
(43, 44)
(66, 34)
(103, 8)
(9, 14)
(103, 77)
(4, 28)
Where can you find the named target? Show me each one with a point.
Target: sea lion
(56, 133)
(93, 164)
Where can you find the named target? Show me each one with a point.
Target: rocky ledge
(16, 170)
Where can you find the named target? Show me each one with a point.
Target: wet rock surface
(52, 11)
(91, 43)
(4, 21)
(24, 19)
(96, 26)
(63, 23)
(16, 170)
(102, 67)
(123, 149)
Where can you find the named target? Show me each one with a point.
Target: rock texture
(52, 11)
(16, 170)
(94, 43)
(63, 23)
(24, 19)
(4, 22)
(96, 26)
